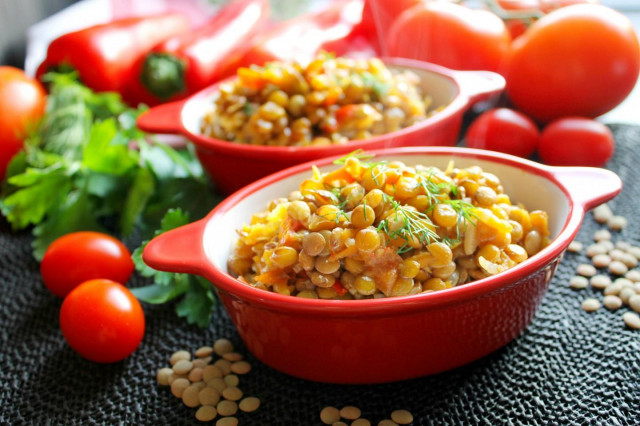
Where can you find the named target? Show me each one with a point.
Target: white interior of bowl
(441, 89)
(533, 191)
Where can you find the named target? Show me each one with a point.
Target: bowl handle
(588, 186)
(178, 250)
(479, 85)
(165, 118)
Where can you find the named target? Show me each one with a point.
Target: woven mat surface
(568, 367)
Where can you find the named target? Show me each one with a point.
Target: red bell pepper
(103, 55)
(189, 62)
(335, 29)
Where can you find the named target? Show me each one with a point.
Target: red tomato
(378, 15)
(81, 256)
(504, 130)
(576, 141)
(102, 321)
(450, 35)
(579, 60)
(22, 104)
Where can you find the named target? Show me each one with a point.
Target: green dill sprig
(415, 225)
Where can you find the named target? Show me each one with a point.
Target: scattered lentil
(600, 281)
(340, 423)
(178, 355)
(199, 363)
(626, 293)
(601, 260)
(632, 320)
(578, 282)
(591, 304)
(163, 376)
(182, 367)
(361, 422)
(602, 213)
(586, 270)
(178, 386)
(329, 415)
(209, 396)
(608, 245)
(211, 372)
(190, 396)
(249, 404)
(203, 351)
(232, 356)
(634, 302)
(575, 246)
(195, 375)
(231, 380)
(227, 421)
(232, 393)
(387, 422)
(402, 417)
(223, 365)
(633, 275)
(613, 289)
(241, 367)
(222, 346)
(612, 302)
(601, 235)
(227, 408)
(206, 413)
(218, 384)
(617, 223)
(618, 268)
(595, 249)
(350, 412)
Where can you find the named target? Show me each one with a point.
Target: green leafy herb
(196, 293)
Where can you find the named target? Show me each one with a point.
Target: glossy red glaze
(388, 339)
(233, 166)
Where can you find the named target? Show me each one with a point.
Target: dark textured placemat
(567, 367)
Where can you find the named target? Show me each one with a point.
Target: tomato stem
(529, 15)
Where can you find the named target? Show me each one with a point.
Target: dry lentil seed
(173, 376)
(626, 293)
(633, 275)
(350, 412)
(636, 287)
(617, 223)
(240, 367)
(204, 351)
(632, 320)
(586, 270)
(182, 366)
(249, 404)
(612, 302)
(602, 213)
(595, 249)
(231, 380)
(402, 417)
(163, 376)
(329, 415)
(629, 260)
(199, 363)
(190, 396)
(618, 268)
(616, 254)
(227, 408)
(590, 304)
(624, 282)
(602, 235)
(179, 355)
(361, 422)
(575, 246)
(634, 302)
(339, 423)
(578, 282)
(211, 372)
(208, 396)
(387, 422)
(195, 375)
(227, 421)
(613, 289)
(600, 281)
(622, 245)
(222, 346)
(178, 386)
(634, 251)
(206, 413)
(601, 260)
(232, 356)
(232, 393)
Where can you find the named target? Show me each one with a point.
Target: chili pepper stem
(163, 75)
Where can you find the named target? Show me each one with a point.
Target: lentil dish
(369, 230)
(329, 101)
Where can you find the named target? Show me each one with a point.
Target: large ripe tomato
(102, 321)
(504, 130)
(450, 35)
(22, 104)
(81, 256)
(578, 60)
(378, 15)
(576, 141)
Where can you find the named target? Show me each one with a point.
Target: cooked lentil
(401, 248)
(329, 101)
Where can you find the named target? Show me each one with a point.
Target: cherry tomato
(102, 321)
(576, 141)
(22, 104)
(450, 35)
(580, 60)
(504, 130)
(81, 256)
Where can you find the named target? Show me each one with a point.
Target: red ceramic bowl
(389, 339)
(233, 166)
